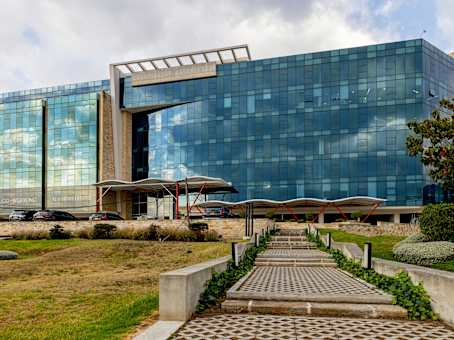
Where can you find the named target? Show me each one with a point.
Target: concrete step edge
(376, 311)
(322, 298)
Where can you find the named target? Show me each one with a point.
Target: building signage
(184, 72)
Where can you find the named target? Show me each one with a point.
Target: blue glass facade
(325, 125)
(69, 135)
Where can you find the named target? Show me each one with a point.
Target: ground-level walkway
(240, 326)
(296, 292)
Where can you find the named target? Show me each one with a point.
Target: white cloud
(51, 42)
(445, 22)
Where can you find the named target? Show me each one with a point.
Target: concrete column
(321, 218)
(396, 218)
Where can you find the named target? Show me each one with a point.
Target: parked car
(217, 212)
(105, 216)
(21, 215)
(53, 215)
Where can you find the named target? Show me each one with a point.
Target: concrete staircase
(292, 277)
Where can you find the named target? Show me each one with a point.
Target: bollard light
(367, 259)
(256, 239)
(234, 256)
(329, 241)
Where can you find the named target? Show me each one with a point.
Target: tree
(432, 141)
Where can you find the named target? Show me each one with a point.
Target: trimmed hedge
(424, 253)
(413, 239)
(437, 222)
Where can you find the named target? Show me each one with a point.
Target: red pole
(341, 212)
(370, 212)
(291, 212)
(177, 201)
(321, 211)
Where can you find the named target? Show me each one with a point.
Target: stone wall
(230, 229)
(395, 229)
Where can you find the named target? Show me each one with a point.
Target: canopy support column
(340, 212)
(290, 211)
(370, 212)
(177, 201)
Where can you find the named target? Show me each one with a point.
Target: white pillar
(396, 218)
(321, 218)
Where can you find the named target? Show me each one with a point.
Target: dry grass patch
(90, 289)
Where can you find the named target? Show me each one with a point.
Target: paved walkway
(293, 279)
(242, 326)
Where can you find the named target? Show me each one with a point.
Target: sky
(54, 42)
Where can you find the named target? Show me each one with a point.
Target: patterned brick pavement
(290, 327)
(293, 253)
(305, 280)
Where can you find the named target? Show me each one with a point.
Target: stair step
(310, 297)
(288, 238)
(290, 246)
(296, 259)
(365, 310)
(295, 264)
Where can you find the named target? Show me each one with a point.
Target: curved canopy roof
(297, 202)
(201, 184)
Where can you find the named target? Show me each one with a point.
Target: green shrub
(415, 238)
(309, 217)
(198, 226)
(211, 236)
(356, 215)
(103, 231)
(153, 232)
(219, 283)
(405, 294)
(57, 232)
(269, 214)
(85, 233)
(437, 222)
(30, 235)
(424, 253)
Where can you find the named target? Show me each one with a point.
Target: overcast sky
(51, 42)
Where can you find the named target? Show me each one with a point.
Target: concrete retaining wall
(179, 290)
(439, 284)
(229, 228)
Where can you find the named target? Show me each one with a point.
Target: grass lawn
(87, 289)
(382, 246)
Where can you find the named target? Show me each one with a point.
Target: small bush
(103, 231)
(309, 217)
(57, 232)
(153, 232)
(437, 222)
(30, 235)
(424, 253)
(356, 215)
(85, 233)
(415, 238)
(211, 236)
(269, 214)
(198, 226)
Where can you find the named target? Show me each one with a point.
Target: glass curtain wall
(72, 152)
(20, 154)
(325, 125)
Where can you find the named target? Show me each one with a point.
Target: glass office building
(48, 147)
(324, 125)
